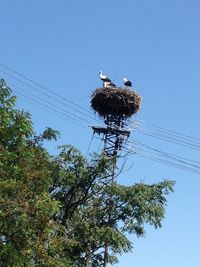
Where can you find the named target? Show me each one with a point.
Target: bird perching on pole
(107, 83)
(127, 83)
(104, 79)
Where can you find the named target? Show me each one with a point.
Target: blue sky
(64, 44)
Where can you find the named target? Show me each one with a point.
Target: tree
(26, 226)
(98, 213)
(62, 210)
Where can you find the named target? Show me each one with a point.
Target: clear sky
(64, 44)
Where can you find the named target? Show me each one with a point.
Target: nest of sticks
(115, 101)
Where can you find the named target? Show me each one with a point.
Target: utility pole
(114, 105)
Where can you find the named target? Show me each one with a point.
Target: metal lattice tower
(114, 105)
(114, 135)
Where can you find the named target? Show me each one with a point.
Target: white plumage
(106, 81)
(127, 82)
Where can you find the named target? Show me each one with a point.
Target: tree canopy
(63, 210)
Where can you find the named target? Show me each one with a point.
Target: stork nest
(115, 101)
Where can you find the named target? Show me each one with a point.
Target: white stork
(106, 81)
(110, 84)
(127, 83)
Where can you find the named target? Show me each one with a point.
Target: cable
(49, 96)
(74, 104)
(171, 134)
(164, 153)
(89, 145)
(157, 132)
(100, 145)
(46, 107)
(182, 162)
(60, 114)
(176, 161)
(41, 86)
(190, 141)
(163, 161)
(160, 156)
(170, 140)
(45, 101)
(175, 157)
(175, 132)
(178, 139)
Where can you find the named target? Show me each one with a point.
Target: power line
(168, 163)
(162, 161)
(170, 139)
(161, 156)
(175, 132)
(164, 157)
(68, 113)
(51, 97)
(164, 153)
(50, 109)
(154, 131)
(189, 141)
(175, 157)
(43, 87)
(166, 135)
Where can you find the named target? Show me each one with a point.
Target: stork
(106, 81)
(127, 83)
(110, 84)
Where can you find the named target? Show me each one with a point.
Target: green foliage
(25, 205)
(62, 210)
(97, 211)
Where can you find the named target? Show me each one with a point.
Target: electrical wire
(154, 131)
(36, 97)
(43, 87)
(161, 160)
(165, 161)
(175, 132)
(74, 104)
(170, 140)
(167, 135)
(164, 157)
(63, 102)
(163, 153)
(188, 141)
(89, 146)
(160, 156)
(100, 144)
(50, 109)
(168, 163)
